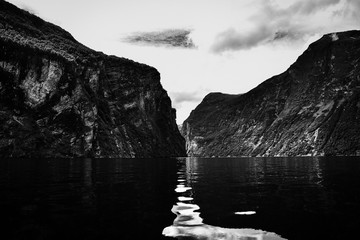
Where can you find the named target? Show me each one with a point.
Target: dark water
(297, 198)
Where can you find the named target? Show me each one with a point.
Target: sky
(201, 46)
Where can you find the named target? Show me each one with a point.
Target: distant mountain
(59, 98)
(313, 108)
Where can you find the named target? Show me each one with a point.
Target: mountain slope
(59, 98)
(313, 108)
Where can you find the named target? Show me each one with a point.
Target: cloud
(310, 7)
(232, 39)
(177, 38)
(178, 98)
(296, 22)
(28, 9)
(352, 8)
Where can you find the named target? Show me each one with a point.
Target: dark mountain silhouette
(313, 108)
(59, 98)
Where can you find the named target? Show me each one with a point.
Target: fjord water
(296, 198)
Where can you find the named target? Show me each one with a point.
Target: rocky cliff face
(313, 108)
(59, 98)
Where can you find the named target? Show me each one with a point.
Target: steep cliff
(59, 98)
(313, 108)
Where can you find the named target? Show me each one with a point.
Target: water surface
(296, 198)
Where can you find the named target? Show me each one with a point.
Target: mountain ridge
(311, 109)
(60, 98)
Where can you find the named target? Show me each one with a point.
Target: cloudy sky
(201, 46)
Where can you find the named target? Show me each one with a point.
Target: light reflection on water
(298, 198)
(185, 209)
(188, 222)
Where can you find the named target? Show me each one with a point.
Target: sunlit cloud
(351, 9)
(178, 38)
(275, 22)
(178, 98)
(28, 9)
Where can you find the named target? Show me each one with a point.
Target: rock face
(313, 108)
(59, 98)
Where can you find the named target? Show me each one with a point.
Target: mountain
(311, 109)
(58, 98)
